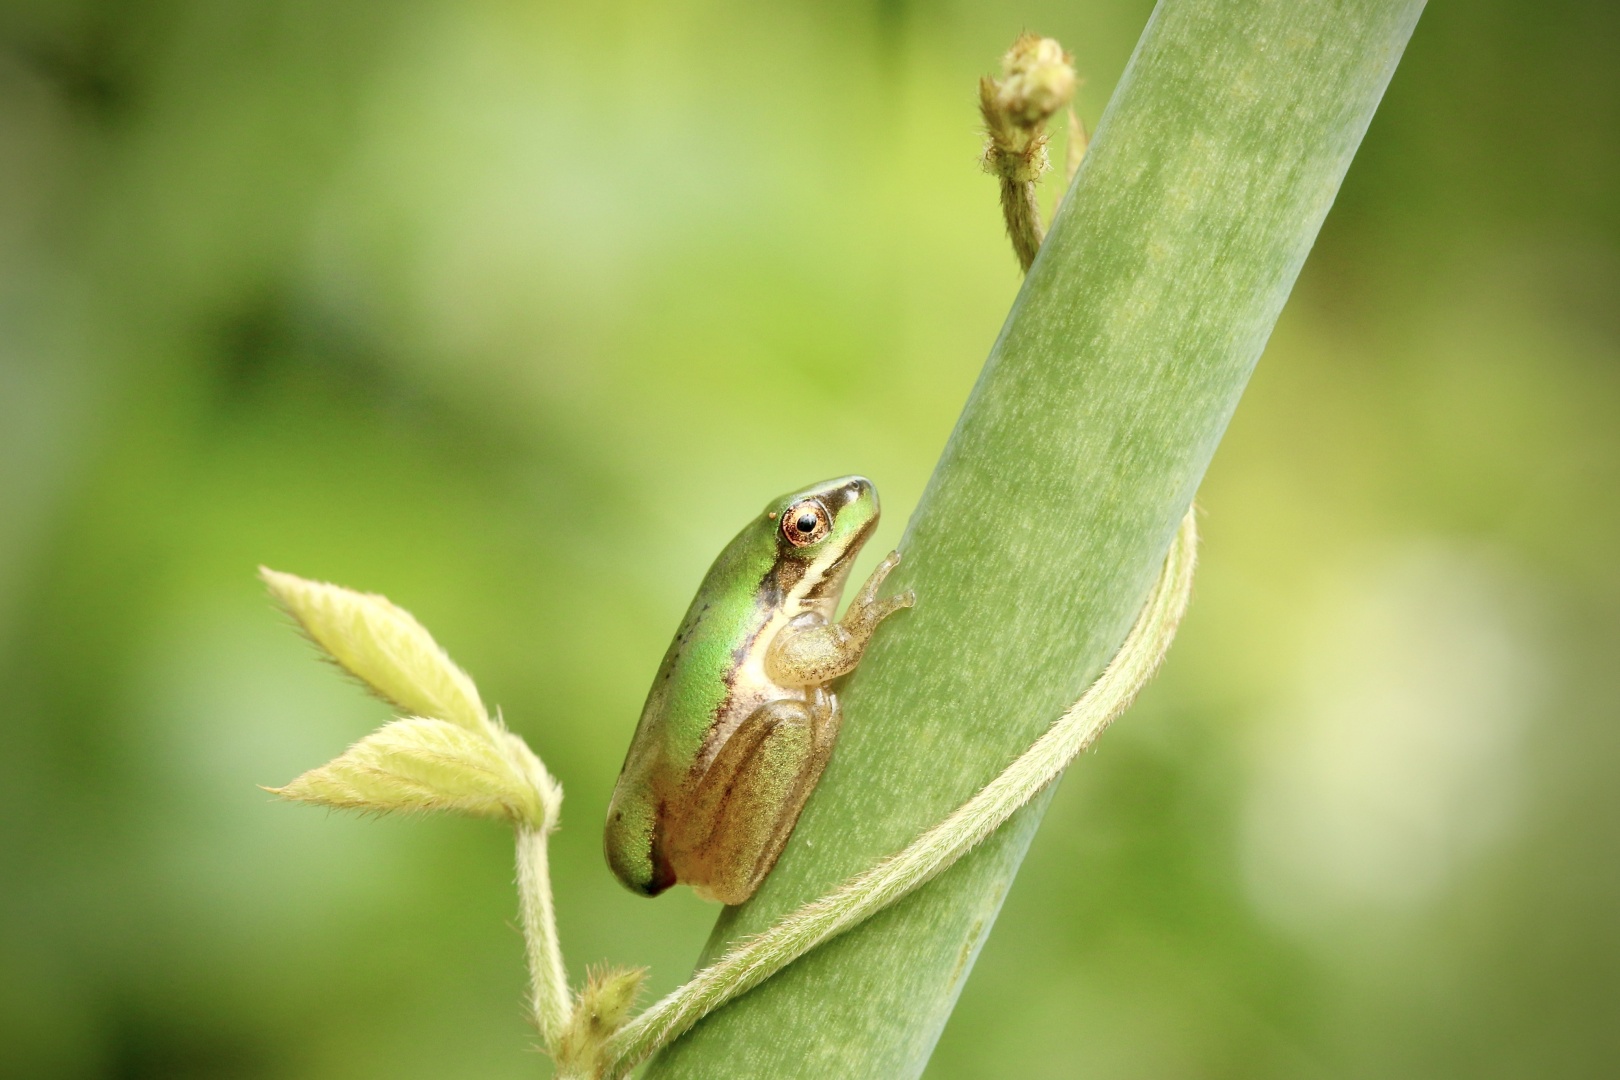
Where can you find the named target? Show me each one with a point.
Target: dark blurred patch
(1493, 116)
(281, 358)
(275, 347)
(271, 336)
(1580, 283)
(143, 1046)
(891, 17)
(86, 57)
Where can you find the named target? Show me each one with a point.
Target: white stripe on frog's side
(812, 600)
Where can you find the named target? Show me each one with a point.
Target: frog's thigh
(752, 794)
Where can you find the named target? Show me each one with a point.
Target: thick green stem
(1049, 513)
(937, 850)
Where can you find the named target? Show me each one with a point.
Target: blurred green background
(515, 312)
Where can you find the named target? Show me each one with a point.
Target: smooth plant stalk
(1038, 537)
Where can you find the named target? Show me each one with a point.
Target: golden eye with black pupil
(805, 523)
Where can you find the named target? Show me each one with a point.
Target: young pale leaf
(420, 763)
(384, 647)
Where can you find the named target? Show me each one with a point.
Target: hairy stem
(1022, 212)
(549, 1001)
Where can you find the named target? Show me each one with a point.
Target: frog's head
(820, 529)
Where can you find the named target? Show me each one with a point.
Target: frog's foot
(875, 611)
(874, 581)
(745, 806)
(867, 607)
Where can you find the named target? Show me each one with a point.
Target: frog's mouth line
(836, 574)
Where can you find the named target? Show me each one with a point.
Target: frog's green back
(690, 688)
(730, 608)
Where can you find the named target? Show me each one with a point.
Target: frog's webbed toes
(874, 580)
(882, 609)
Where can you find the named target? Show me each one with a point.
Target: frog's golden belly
(744, 796)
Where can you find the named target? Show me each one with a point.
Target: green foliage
(482, 770)
(751, 961)
(452, 758)
(419, 764)
(324, 286)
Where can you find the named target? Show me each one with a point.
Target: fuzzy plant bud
(601, 1010)
(1038, 80)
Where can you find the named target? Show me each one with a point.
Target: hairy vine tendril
(752, 962)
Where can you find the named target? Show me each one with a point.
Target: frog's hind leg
(744, 808)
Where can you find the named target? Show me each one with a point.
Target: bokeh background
(515, 311)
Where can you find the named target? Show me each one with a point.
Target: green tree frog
(741, 717)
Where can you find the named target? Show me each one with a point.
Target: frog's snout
(857, 488)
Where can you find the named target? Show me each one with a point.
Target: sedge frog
(741, 717)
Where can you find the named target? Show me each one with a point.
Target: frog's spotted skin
(739, 722)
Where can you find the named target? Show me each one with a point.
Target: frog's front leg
(816, 655)
(745, 805)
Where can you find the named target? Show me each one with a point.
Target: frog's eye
(804, 523)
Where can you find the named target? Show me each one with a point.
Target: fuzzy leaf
(421, 763)
(384, 647)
